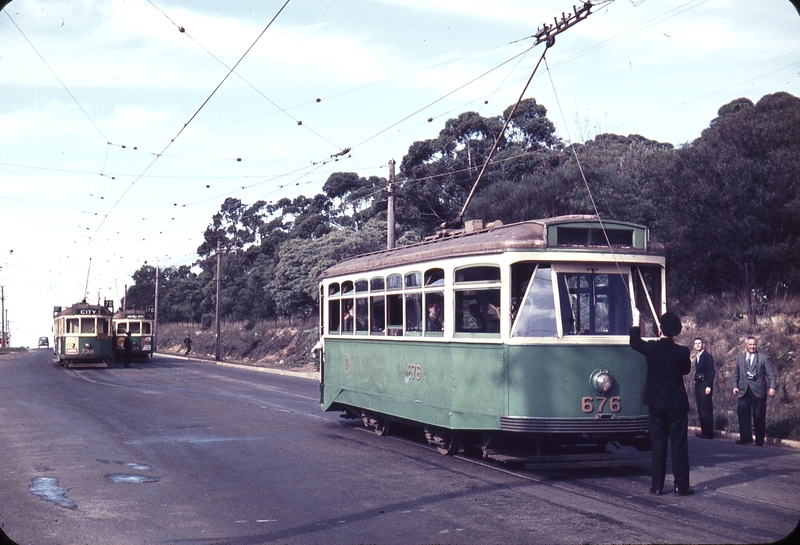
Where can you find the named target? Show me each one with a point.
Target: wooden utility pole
(2, 315)
(390, 208)
(219, 291)
(155, 314)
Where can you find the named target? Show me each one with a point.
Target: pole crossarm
(548, 32)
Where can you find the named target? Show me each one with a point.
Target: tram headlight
(602, 381)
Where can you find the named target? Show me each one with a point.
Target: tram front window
(72, 325)
(594, 304)
(537, 315)
(87, 325)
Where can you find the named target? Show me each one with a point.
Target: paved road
(187, 452)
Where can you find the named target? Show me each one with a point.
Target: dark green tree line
(724, 205)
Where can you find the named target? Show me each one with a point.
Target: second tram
(140, 323)
(512, 339)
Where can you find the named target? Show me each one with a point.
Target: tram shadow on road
(415, 434)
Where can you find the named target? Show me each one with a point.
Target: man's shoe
(760, 444)
(684, 491)
(701, 436)
(655, 491)
(742, 442)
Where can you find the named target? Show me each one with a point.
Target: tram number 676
(614, 405)
(413, 372)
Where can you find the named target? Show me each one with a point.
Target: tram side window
(594, 304)
(146, 328)
(413, 304)
(73, 325)
(434, 313)
(394, 314)
(87, 325)
(536, 317)
(102, 326)
(377, 315)
(334, 316)
(362, 315)
(477, 311)
(434, 277)
(377, 307)
(413, 313)
(348, 316)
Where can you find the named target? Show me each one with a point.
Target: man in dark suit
(750, 376)
(703, 385)
(127, 345)
(665, 395)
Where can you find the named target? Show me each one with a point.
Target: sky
(121, 134)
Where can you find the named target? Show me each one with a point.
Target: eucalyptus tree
(730, 206)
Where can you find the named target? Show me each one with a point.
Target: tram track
(630, 500)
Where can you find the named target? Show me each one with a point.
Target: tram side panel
(454, 387)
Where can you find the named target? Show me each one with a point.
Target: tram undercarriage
(537, 451)
(72, 364)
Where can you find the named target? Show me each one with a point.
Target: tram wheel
(442, 440)
(382, 426)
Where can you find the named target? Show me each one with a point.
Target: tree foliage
(738, 191)
(724, 205)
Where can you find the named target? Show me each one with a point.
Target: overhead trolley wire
(182, 30)
(172, 140)
(75, 100)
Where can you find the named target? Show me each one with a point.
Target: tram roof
(133, 314)
(573, 232)
(82, 306)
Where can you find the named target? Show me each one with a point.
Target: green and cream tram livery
(82, 335)
(140, 324)
(528, 354)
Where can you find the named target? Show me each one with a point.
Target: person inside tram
(434, 321)
(347, 323)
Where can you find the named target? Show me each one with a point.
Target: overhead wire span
(75, 100)
(412, 114)
(172, 140)
(182, 30)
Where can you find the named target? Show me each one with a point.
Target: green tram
(528, 358)
(82, 335)
(141, 325)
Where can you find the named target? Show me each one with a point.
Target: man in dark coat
(703, 389)
(754, 379)
(127, 344)
(665, 395)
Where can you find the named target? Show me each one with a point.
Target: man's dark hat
(670, 324)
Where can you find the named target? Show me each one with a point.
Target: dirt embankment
(289, 348)
(262, 346)
(778, 336)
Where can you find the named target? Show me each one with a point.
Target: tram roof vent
(471, 226)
